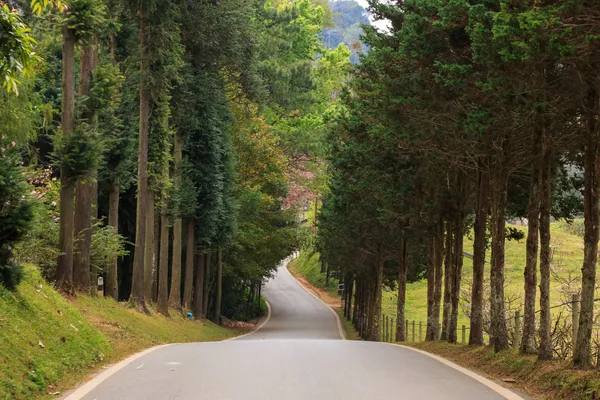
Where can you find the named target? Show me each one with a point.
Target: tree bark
(439, 260)
(82, 223)
(219, 290)
(188, 287)
(479, 247)
(137, 284)
(175, 295)
(163, 268)
(112, 281)
(64, 270)
(448, 279)
(206, 290)
(546, 348)
(199, 290)
(591, 196)
(376, 332)
(402, 270)
(459, 230)
(156, 243)
(533, 215)
(499, 334)
(432, 318)
(149, 250)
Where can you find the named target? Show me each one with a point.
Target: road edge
(259, 327)
(79, 392)
(501, 390)
(341, 331)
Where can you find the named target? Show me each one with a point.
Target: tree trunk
(219, 286)
(479, 247)
(163, 268)
(402, 270)
(437, 294)
(149, 250)
(533, 217)
(112, 282)
(546, 348)
(175, 296)
(156, 243)
(188, 288)
(206, 290)
(376, 332)
(137, 284)
(82, 223)
(459, 229)
(448, 268)
(199, 291)
(499, 334)
(64, 269)
(430, 333)
(591, 196)
(348, 291)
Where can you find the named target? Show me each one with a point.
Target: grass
(49, 343)
(567, 261)
(540, 379)
(567, 248)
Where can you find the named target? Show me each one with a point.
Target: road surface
(297, 355)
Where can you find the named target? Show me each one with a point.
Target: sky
(379, 24)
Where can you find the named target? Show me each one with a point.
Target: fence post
(406, 332)
(575, 317)
(464, 334)
(413, 333)
(387, 329)
(420, 331)
(392, 329)
(517, 333)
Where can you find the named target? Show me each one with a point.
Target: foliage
(77, 153)
(17, 56)
(16, 213)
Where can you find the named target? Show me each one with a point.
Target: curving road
(296, 355)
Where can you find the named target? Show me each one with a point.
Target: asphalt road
(297, 355)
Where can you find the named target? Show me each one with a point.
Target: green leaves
(17, 56)
(78, 153)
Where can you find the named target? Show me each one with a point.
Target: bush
(16, 212)
(40, 245)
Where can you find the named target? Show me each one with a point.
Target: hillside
(348, 16)
(49, 343)
(567, 259)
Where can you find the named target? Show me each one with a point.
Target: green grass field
(49, 344)
(567, 248)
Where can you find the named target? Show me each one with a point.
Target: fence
(564, 329)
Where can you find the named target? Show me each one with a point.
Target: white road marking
(80, 392)
(502, 391)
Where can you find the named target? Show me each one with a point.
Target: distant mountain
(348, 16)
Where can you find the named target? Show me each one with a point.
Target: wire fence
(564, 329)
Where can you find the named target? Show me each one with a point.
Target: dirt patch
(328, 299)
(239, 325)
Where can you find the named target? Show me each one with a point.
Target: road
(297, 355)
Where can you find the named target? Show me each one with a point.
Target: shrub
(16, 211)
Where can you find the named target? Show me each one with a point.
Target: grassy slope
(542, 380)
(568, 257)
(567, 260)
(77, 336)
